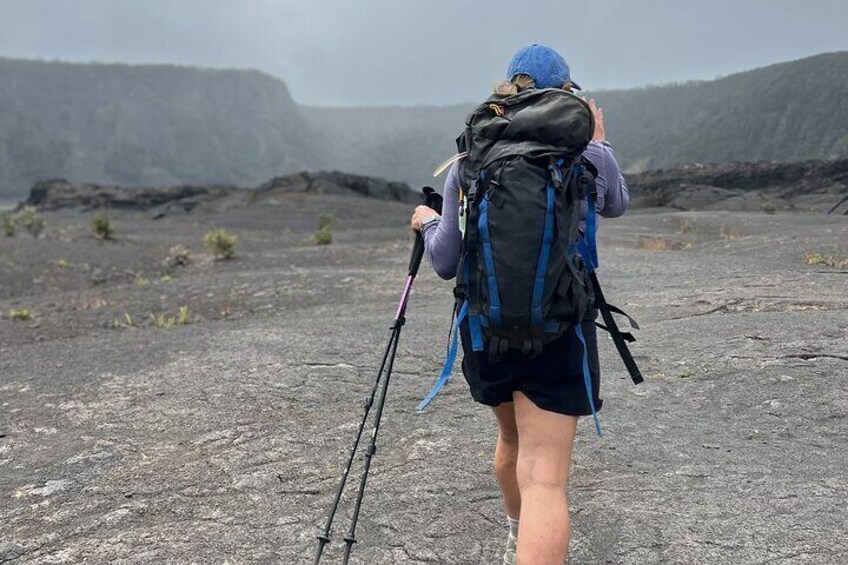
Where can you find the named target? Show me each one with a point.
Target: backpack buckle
(556, 176)
(472, 191)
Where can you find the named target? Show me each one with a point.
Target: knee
(506, 453)
(534, 471)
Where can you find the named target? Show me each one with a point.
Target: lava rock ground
(222, 441)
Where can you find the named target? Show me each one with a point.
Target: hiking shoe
(509, 554)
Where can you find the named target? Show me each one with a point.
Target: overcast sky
(355, 52)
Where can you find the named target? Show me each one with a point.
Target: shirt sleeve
(613, 194)
(442, 239)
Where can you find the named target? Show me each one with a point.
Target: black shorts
(553, 380)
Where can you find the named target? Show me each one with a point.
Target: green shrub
(221, 242)
(323, 236)
(8, 226)
(184, 317)
(178, 256)
(822, 260)
(20, 314)
(162, 321)
(123, 323)
(30, 220)
(769, 207)
(325, 221)
(27, 219)
(102, 227)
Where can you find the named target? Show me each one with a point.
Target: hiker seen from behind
(517, 233)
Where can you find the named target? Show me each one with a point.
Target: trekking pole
(433, 200)
(324, 538)
(350, 538)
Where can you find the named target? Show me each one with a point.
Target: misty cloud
(342, 52)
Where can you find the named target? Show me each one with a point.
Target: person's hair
(515, 85)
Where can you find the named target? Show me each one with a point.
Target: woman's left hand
(421, 214)
(600, 133)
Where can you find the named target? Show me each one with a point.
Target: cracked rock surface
(222, 441)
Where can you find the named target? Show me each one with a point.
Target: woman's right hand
(422, 213)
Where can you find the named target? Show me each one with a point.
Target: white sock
(513, 527)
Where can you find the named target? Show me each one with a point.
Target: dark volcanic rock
(59, 193)
(810, 185)
(334, 182)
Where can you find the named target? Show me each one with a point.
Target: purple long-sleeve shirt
(443, 239)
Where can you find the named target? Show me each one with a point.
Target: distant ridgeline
(166, 125)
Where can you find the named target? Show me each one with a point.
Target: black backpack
(526, 275)
(521, 274)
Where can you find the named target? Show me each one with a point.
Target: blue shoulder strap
(449, 360)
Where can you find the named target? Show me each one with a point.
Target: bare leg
(545, 442)
(506, 457)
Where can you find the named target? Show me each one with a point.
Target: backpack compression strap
(587, 246)
(587, 378)
(619, 339)
(450, 359)
(488, 259)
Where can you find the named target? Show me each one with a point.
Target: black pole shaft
(434, 200)
(350, 539)
(324, 538)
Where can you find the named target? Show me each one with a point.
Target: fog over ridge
(378, 52)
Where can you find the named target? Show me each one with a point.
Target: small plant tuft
(769, 207)
(30, 220)
(102, 227)
(822, 260)
(221, 242)
(325, 221)
(27, 219)
(323, 236)
(683, 226)
(184, 316)
(659, 243)
(178, 256)
(225, 306)
(731, 233)
(324, 229)
(655, 244)
(162, 321)
(123, 323)
(8, 225)
(22, 314)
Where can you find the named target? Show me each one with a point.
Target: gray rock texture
(811, 186)
(59, 193)
(221, 441)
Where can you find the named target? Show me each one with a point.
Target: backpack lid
(532, 123)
